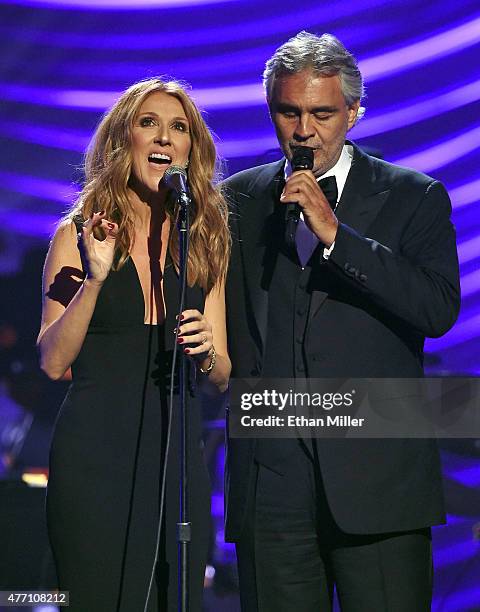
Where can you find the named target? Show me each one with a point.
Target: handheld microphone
(175, 178)
(302, 159)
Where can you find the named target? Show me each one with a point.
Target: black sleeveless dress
(107, 459)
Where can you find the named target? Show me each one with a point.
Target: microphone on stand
(175, 178)
(302, 159)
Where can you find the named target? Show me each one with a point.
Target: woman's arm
(68, 298)
(200, 334)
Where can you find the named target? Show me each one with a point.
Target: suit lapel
(256, 210)
(364, 194)
(362, 199)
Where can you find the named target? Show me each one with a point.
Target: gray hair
(325, 55)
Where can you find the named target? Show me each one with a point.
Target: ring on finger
(204, 337)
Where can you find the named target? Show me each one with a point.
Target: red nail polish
(180, 340)
(187, 351)
(181, 317)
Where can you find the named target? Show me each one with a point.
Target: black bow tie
(329, 187)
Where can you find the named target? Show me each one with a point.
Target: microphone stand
(184, 527)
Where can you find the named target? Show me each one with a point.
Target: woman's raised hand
(97, 255)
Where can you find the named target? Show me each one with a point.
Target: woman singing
(110, 300)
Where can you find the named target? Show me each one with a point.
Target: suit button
(363, 278)
(349, 269)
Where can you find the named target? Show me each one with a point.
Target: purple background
(63, 63)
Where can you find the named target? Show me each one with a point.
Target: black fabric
(284, 276)
(391, 280)
(287, 316)
(293, 552)
(108, 454)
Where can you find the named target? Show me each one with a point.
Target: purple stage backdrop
(63, 62)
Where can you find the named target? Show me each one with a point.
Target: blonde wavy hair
(108, 167)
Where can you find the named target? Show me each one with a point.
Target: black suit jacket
(391, 280)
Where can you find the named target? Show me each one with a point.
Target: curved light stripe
(29, 224)
(65, 98)
(452, 519)
(465, 329)
(468, 250)
(468, 476)
(127, 5)
(240, 30)
(464, 598)
(460, 551)
(38, 187)
(84, 99)
(465, 194)
(435, 47)
(444, 153)
(193, 67)
(232, 149)
(470, 283)
(436, 104)
(53, 137)
(241, 96)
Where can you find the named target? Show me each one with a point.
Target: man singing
(372, 272)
